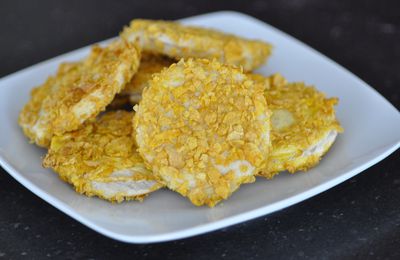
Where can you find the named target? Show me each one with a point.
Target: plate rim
(224, 222)
(199, 229)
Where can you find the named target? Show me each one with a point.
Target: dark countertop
(357, 219)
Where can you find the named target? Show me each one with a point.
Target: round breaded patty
(203, 128)
(304, 125)
(100, 159)
(180, 41)
(78, 91)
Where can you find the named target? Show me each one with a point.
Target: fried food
(100, 159)
(132, 92)
(304, 125)
(180, 41)
(136, 97)
(78, 91)
(203, 128)
(149, 64)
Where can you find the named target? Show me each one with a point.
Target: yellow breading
(149, 64)
(100, 159)
(135, 98)
(78, 91)
(132, 92)
(203, 128)
(179, 41)
(303, 123)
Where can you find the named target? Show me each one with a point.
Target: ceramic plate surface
(372, 132)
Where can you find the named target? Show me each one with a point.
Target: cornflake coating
(100, 159)
(149, 64)
(203, 128)
(78, 91)
(136, 97)
(304, 125)
(132, 92)
(179, 41)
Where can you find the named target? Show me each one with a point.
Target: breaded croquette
(203, 128)
(100, 159)
(180, 41)
(304, 125)
(78, 92)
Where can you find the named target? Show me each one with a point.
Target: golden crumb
(203, 128)
(78, 91)
(149, 64)
(132, 92)
(180, 41)
(266, 81)
(304, 125)
(100, 159)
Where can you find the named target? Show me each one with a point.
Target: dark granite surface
(357, 219)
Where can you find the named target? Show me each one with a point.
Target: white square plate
(372, 132)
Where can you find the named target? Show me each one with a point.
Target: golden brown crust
(79, 91)
(203, 128)
(302, 119)
(180, 41)
(135, 98)
(100, 159)
(132, 92)
(149, 64)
